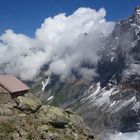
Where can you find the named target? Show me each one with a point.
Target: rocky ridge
(28, 119)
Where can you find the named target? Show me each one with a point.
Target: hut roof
(12, 84)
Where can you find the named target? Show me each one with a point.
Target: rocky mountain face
(111, 101)
(114, 102)
(28, 119)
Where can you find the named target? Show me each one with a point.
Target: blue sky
(25, 16)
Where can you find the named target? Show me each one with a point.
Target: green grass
(6, 128)
(35, 89)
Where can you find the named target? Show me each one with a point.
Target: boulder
(28, 104)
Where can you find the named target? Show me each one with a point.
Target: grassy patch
(35, 89)
(6, 128)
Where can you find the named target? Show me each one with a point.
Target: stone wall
(5, 98)
(16, 94)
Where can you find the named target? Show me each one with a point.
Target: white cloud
(132, 69)
(88, 74)
(65, 42)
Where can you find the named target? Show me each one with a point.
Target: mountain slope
(115, 102)
(111, 101)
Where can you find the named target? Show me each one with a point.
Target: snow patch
(136, 106)
(124, 103)
(104, 97)
(50, 98)
(95, 92)
(44, 84)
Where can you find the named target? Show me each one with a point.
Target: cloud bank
(64, 42)
(124, 136)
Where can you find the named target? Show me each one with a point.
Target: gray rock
(28, 104)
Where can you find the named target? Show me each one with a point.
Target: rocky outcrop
(28, 103)
(28, 119)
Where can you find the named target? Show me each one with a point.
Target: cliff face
(28, 119)
(114, 102)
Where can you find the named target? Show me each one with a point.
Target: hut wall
(16, 94)
(5, 96)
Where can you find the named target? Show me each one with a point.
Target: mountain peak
(137, 14)
(137, 10)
